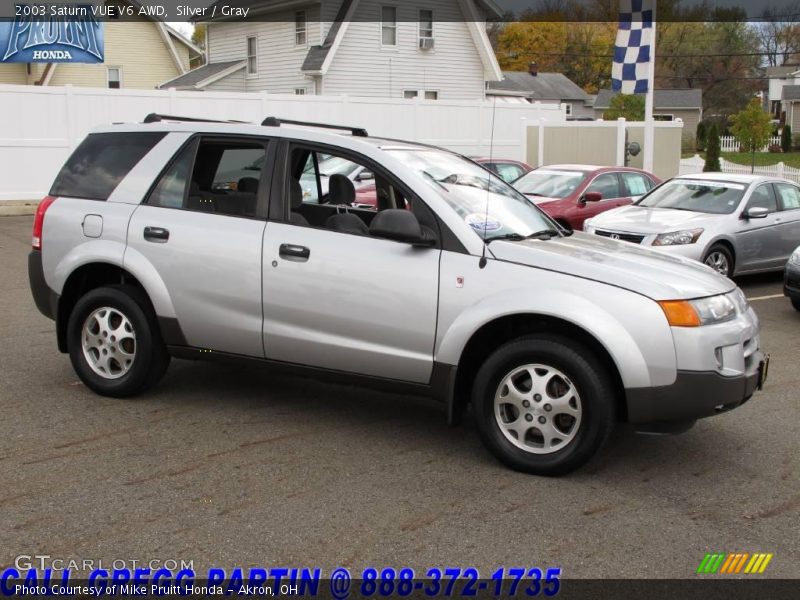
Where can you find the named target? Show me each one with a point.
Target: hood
(643, 219)
(622, 264)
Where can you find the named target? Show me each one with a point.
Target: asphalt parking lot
(236, 466)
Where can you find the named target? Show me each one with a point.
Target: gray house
(547, 88)
(428, 49)
(668, 105)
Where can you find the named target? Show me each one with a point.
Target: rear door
(346, 301)
(789, 225)
(201, 228)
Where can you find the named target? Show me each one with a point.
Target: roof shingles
(544, 86)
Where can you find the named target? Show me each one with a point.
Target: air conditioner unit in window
(426, 43)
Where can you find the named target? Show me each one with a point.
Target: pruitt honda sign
(28, 39)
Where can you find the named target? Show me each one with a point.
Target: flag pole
(649, 122)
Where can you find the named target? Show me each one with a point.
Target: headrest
(341, 190)
(295, 194)
(248, 185)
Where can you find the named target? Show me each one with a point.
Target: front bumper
(695, 395)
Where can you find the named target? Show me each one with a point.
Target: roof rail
(276, 122)
(156, 118)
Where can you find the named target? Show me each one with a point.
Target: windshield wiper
(545, 234)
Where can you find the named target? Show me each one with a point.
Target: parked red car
(573, 193)
(508, 170)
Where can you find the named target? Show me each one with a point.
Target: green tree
(712, 151)
(786, 138)
(752, 128)
(629, 106)
(701, 136)
(199, 35)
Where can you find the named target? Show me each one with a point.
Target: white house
(430, 49)
(780, 77)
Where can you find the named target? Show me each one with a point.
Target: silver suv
(454, 285)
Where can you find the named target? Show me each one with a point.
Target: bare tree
(779, 34)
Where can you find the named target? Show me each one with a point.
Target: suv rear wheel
(543, 404)
(114, 342)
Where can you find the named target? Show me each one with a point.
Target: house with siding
(546, 88)
(668, 105)
(138, 54)
(428, 49)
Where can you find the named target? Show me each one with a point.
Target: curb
(16, 208)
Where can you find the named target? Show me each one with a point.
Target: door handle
(292, 252)
(156, 234)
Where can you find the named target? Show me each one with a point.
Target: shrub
(775, 148)
(701, 136)
(786, 138)
(712, 150)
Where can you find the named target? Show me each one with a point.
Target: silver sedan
(735, 224)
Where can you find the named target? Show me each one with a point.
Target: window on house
(252, 55)
(114, 77)
(410, 94)
(389, 25)
(425, 24)
(300, 28)
(300, 91)
(431, 95)
(663, 117)
(568, 108)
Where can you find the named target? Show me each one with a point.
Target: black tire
(796, 303)
(584, 371)
(151, 358)
(723, 251)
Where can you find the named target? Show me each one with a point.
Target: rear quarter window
(102, 160)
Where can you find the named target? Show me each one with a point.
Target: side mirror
(401, 226)
(756, 212)
(592, 197)
(365, 176)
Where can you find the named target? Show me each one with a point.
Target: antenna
(482, 262)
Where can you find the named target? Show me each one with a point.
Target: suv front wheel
(114, 342)
(543, 404)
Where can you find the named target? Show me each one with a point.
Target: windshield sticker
(481, 223)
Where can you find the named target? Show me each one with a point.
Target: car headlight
(795, 257)
(703, 311)
(678, 238)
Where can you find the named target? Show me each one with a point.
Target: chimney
(533, 69)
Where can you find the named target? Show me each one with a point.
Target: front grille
(625, 237)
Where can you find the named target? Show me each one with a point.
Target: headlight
(703, 311)
(678, 238)
(795, 257)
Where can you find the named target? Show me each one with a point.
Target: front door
(200, 229)
(757, 241)
(341, 299)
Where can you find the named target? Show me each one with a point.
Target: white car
(735, 224)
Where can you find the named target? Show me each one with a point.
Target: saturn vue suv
(454, 286)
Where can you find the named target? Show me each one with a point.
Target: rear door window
(637, 184)
(214, 175)
(101, 162)
(789, 195)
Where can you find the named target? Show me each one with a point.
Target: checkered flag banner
(633, 49)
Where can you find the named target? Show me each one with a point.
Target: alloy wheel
(109, 342)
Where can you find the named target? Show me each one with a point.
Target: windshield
(551, 183)
(697, 195)
(486, 203)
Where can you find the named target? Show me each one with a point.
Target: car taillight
(38, 221)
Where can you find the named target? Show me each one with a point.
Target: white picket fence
(695, 164)
(40, 126)
(728, 143)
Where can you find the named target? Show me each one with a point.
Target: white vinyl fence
(728, 143)
(40, 126)
(695, 164)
